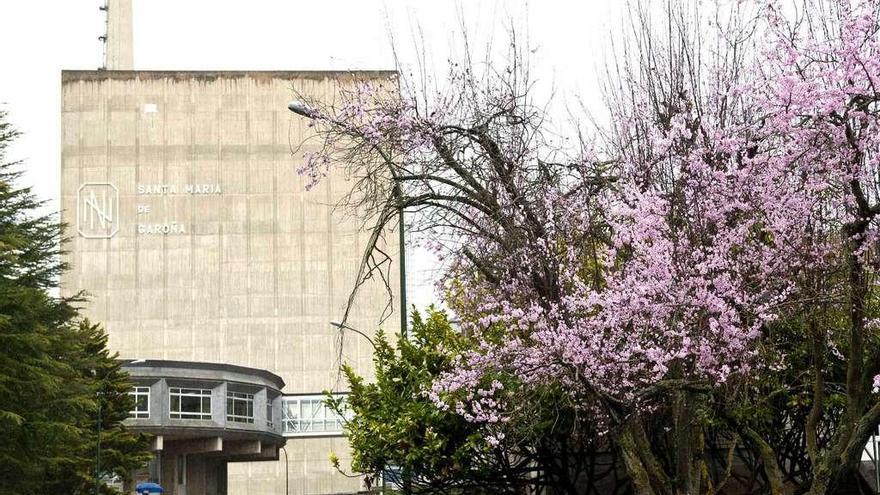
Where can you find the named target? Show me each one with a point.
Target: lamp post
(404, 320)
(286, 473)
(99, 395)
(304, 110)
(98, 452)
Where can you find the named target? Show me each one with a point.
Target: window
(392, 478)
(240, 407)
(307, 415)
(270, 423)
(190, 403)
(141, 396)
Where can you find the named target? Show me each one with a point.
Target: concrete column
(276, 413)
(119, 35)
(218, 404)
(260, 399)
(160, 398)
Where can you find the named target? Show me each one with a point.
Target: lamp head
(300, 108)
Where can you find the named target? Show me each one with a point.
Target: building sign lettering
(98, 205)
(161, 189)
(161, 228)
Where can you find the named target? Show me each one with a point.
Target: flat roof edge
(166, 363)
(210, 75)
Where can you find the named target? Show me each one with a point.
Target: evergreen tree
(120, 450)
(52, 365)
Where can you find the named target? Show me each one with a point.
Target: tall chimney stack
(119, 35)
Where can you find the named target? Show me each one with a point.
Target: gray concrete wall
(310, 470)
(261, 266)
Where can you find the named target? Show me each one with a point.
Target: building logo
(97, 205)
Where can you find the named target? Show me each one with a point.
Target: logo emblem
(97, 204)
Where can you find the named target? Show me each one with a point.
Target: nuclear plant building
(214, 271)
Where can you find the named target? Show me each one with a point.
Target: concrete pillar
(218, 404)
(160, 402)
(260, 399)
(119, 35)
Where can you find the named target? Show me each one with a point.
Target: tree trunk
(638, 472)
(768, 460)
(686, 438)
(641, 464)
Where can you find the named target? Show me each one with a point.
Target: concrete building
(196, 240)
(203, 416)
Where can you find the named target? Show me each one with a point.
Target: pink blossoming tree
(645, 278)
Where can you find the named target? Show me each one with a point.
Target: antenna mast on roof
(117, 37)
(104, 8)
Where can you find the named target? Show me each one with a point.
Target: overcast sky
(42, 37)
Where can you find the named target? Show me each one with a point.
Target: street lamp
(286, 472)
(98, 452)
(304, 110)
(300, 108)
(99, 399)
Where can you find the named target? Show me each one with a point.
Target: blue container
(148, 488)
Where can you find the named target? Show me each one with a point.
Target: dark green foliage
(108, 385)
(395, 425)
(52, 365)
